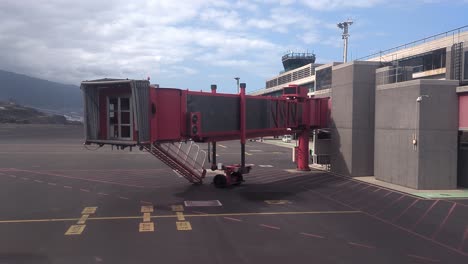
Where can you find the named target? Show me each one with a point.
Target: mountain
(38, 93)
(15, 113)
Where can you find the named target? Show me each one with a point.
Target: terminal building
(400, 115)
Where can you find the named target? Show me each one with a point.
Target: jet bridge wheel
(220, 181)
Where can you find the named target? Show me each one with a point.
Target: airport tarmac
(63, 203)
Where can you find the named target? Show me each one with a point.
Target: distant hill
(15, 113)
(39, 93)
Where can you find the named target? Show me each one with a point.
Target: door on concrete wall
(463, 159)
(120, 118)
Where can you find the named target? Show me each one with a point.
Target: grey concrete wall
(353, 102)
(438, 135)
(433, 122)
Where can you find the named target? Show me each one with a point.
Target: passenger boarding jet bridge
(166, 122)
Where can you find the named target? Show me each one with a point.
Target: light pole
(237, 79)
(344, 26)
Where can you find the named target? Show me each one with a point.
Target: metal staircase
(186, 159)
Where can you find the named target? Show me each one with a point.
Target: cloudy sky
(192, 44)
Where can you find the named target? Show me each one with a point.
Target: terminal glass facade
(425, 62)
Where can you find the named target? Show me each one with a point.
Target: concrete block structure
(416, 127)
(352, 128)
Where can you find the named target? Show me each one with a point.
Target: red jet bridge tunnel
(167, 122)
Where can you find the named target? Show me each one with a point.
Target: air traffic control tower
(293, 60)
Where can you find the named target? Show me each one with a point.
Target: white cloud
(338, 4)
(72, 41)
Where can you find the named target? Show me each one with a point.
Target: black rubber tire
(220, 181)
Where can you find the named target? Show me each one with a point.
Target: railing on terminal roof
(298, 55)
(452, 32)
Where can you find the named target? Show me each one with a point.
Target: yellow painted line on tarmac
(38, 220)
(146, 217)
(175, 216)
(89, 210)
(177, 208)
(75, 230)
(180, 216)
(147, 208)
(83, 219)
(146, 227)
(184, 226)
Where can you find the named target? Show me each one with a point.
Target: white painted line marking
(68, 187)
(125, 198)
(202, 203)
(51, 183)
(85, 190)
(271, 227)
(265, 166)
(233, 219)
(256, 150)
(39, 181)
(222, 146)
(103, 194)
(311, 235)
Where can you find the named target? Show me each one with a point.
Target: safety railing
(188, 154)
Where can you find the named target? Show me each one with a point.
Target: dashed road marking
(25, 178)
(89, 210)
(180, 216)
(51, 183)
(124, 198)
(256, 150)
(184, 226)
(311, 235)
(75, 230)
(248, 154)
(83, 219)
(275, 202)
(233, 219)
(146, 227)
(222, 146)
(271, 227)
(67, 187)
(177, 208)
(145, 202)
(38, 181)
(265, 166)
(147, 208)
(85, 190)
(146, 217)
(103, 193)
(361, 245)
(423, 258)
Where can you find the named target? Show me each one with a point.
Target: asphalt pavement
(63, 203)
